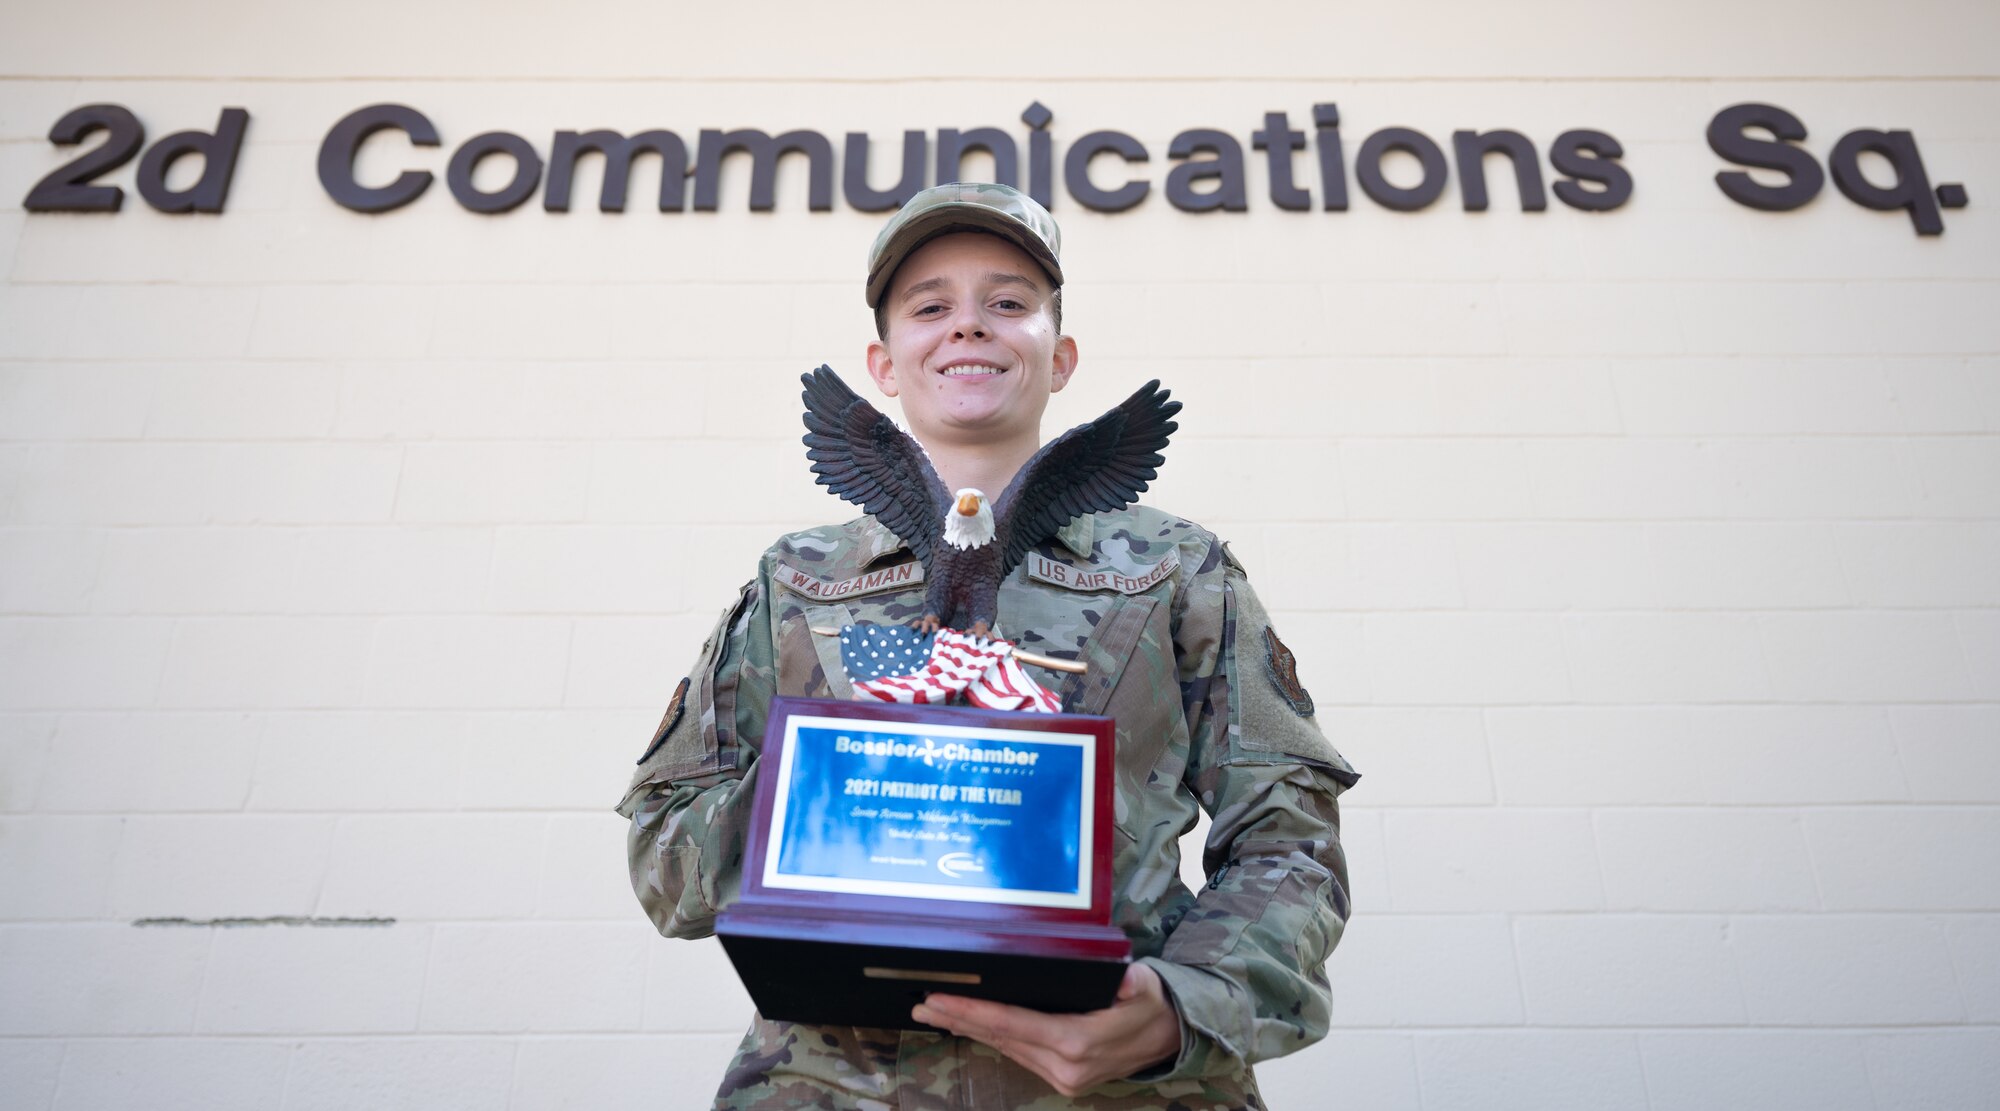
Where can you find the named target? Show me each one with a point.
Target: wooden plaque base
(801, 969)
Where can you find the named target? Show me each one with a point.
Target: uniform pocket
(686, 743)
(809, 664)
(1133, 677)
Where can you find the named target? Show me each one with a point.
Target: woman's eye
(1010, 303)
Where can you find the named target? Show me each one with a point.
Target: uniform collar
(1079, 536)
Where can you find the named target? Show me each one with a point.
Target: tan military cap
(964, 206)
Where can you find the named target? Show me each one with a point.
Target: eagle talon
(928, 624)
(981, 629)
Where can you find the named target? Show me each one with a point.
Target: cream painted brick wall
(201, 1074)
(555, 1074)
(1697, 1069)
(434, 866)
(1846, 970)
(309, 980)
(1568, 1069)
(102, 977)
(1977, 960)
(1628, 971)
(1643, 562)
(1684, 859)
(522, 977)
(197, 762)
(1428, 970)
(407, 1074)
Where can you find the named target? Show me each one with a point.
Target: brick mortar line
(637, 919)
(1354, 806)
(955, 79)
(678, 364)
(788, 442)
(654, 708)
(777, 528)
(1746, 1029)
(1347, 707)
(845, 286)
(523, 616)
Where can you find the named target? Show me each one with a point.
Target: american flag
(894, 664)
(876, 651)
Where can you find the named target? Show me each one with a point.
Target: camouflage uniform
(1208, 711)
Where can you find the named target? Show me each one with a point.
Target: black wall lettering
(337, 150)
(1277, 140)
(1332, 167)
(1041, 155)
(618, 152)
(1226, 167)
(218, 156)
(1076, 171)
(1368, 169)
(1207, 172)
(1471, 149)
(527, 172)
(1726, 138)
(764, 152)
(954, 145)
(1911, 189)
(67, 188)
(1588, 156)
(854, 173)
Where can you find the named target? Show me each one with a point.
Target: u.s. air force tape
(1137, 581)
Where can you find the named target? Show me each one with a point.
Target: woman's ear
(882, 369)
(1063, 365)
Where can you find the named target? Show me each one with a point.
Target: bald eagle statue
(967, 542)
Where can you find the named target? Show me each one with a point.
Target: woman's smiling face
(972, 350)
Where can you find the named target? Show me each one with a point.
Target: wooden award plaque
(898, 850)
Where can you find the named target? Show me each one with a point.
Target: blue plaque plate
(933, 811)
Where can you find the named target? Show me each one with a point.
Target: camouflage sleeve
(689, 800)
(1245, 966)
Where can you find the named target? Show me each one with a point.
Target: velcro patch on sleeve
(824, 590)
(1284, 669)
(1043, 569)
(675, 707)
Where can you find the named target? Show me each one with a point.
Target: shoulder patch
(1284, 668)
(675, 707)
(825, 590)
(1056, 573)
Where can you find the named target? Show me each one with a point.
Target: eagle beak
(968, 505)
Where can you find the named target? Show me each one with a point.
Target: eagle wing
(1092, 468)
(861, 455)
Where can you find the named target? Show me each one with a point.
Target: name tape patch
(822, 590)
(1044, 569)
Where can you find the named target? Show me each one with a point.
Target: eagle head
(970, 522)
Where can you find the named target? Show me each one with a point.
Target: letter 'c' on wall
(337, 151)
(1076, 171)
